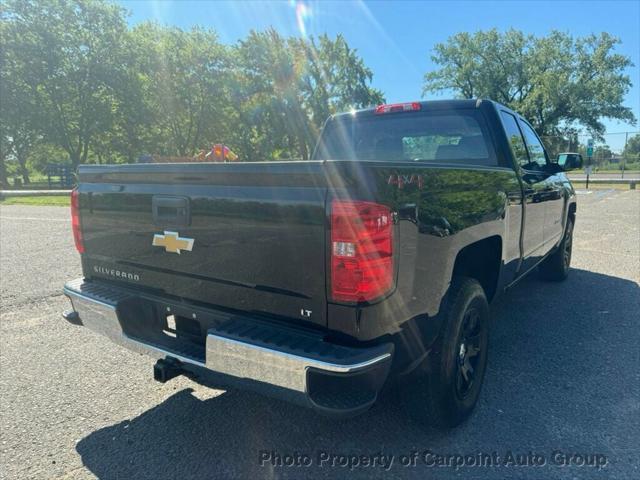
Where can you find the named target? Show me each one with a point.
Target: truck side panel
(441, 209)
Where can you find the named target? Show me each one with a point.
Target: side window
(536, 150)
(515, 138)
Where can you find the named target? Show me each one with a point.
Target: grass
(38, 185)
(600, 186)
(627, 173)
(619, 172)
(46, 200)
(38, 181)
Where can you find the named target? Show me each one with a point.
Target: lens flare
(303, 13)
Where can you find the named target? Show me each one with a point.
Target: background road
(563, 375)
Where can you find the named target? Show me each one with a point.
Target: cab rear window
(441, 137)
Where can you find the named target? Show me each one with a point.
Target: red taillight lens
(361, 251)
(398, 107)
(75, 221)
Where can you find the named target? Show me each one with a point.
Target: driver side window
(537, 158)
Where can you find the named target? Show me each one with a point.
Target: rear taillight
(361, 251)
(75, 221)
(398, 107)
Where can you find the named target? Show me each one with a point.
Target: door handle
(170, 211)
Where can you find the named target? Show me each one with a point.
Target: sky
(396, 39)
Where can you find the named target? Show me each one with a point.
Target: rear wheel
(556, 266)
(443, 392)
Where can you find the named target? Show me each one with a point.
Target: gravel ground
(563, 377)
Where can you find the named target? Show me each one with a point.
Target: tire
(443, 391)
(555, 267)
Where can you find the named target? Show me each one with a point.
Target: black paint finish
(261, 232)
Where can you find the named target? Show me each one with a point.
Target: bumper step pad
(293, 363)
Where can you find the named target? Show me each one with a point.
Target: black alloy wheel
(469, 349)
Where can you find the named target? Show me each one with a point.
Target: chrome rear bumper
(293, 365)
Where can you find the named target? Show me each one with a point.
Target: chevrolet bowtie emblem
(172, 242)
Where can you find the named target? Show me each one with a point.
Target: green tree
(70, 54)
(288, 87)
(18, 135)
(19, 131)
(43, 154)
(135, 117)
(631, 151)
(602, 155)
(335, 79)
(269, 73)
(183, 75)
(75, 77)
(556, 82)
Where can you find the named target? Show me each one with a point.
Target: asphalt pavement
(561, 395)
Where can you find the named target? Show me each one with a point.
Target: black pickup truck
(323, 281)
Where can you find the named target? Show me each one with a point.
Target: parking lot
(563, 381)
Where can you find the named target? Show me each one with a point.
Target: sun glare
(303, 13)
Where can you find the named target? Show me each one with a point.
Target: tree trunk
(304, 152)
(4, 181)
(23, 170)
(85, 152)
(75, 159)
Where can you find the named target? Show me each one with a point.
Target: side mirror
(569, 161)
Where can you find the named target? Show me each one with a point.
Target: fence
(64, 172)
(608, 152)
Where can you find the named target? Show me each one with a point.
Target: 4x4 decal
(402, 180)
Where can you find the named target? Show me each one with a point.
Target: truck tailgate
(258, 232)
